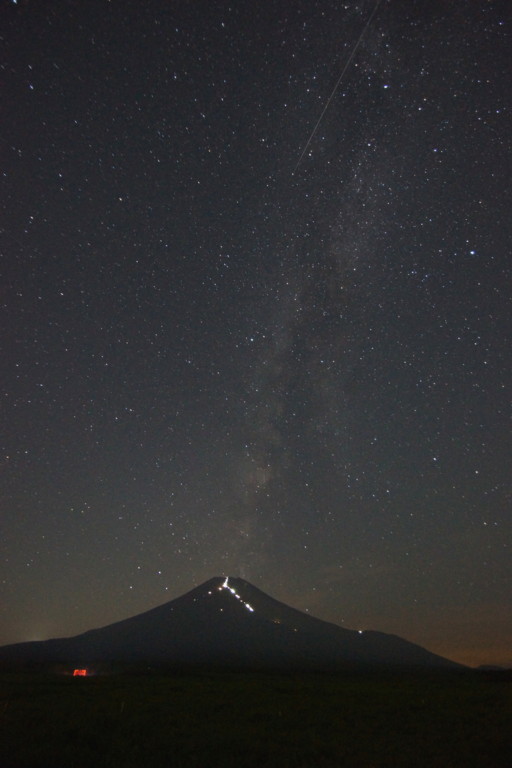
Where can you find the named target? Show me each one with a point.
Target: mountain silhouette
(226, 622)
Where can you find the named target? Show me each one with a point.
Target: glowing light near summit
(226, 585)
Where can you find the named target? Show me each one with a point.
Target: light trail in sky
(337, 85)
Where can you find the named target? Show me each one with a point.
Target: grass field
(242, 719)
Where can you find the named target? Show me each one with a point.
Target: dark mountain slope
(226, 621)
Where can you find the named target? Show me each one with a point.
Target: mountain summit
(227, 622)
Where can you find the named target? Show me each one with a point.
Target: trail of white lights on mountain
(226, 585)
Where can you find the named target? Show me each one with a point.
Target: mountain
(226, 622)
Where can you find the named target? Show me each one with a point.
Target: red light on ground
(79, 673)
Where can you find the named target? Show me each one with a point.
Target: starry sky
(239, 341)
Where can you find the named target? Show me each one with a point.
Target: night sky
(218, 358)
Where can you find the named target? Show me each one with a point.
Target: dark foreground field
(255, 719)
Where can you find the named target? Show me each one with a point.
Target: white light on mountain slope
(227, 586)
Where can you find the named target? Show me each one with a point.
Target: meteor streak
(338, 82)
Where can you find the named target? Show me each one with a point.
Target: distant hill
(226, 622)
